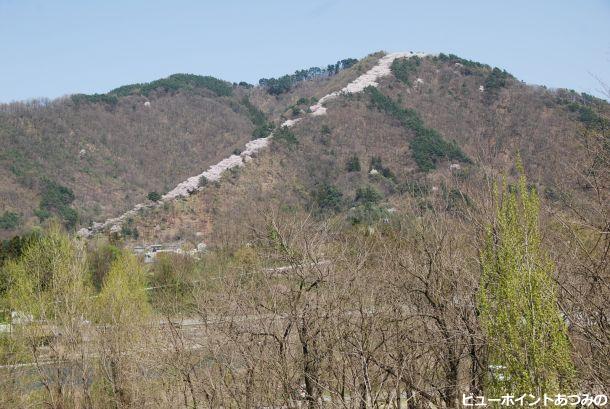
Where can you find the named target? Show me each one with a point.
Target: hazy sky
(50, 48)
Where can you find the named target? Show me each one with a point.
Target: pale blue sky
(50, 48)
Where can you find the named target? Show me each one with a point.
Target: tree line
(285, 83)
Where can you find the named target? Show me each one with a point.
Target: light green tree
(123, 295)
(49, 298)
(528, 347)
(121, 313)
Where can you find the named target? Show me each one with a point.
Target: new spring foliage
(528, 348)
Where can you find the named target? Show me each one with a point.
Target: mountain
(86, 158)
(407, 230)
(432, 127)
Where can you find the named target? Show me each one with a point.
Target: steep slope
(85, 158)
(397, 131)
(111, 154)
(427, 139)
(238, 159)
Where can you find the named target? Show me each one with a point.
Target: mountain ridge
(444, 99)
(256, 105)
(368, 79)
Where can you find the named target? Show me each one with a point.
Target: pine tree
(353, 164)
(528, 347)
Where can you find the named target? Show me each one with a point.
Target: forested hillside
(108, 151)
(410, 230)
(437, 129)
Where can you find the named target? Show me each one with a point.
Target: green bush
(353, 164)
(367, 214)
(286, 136)
(154, 196)
(262, 131)
(42, 214)
(367, 195)
(256, 115)
(9, 221)
(366, 209)
(377, 164)
(496, 80)
(456, 200)
(175, 276)
(591, 119)
(428, 146)
(452, 58)
(262, 127)
(347, 63)
(402, 68)
(57, 199)
(69, 216)
(277, 86)
(583, 105)
(129, 231)
(55, 196)
(24, 168)
(328, 197)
